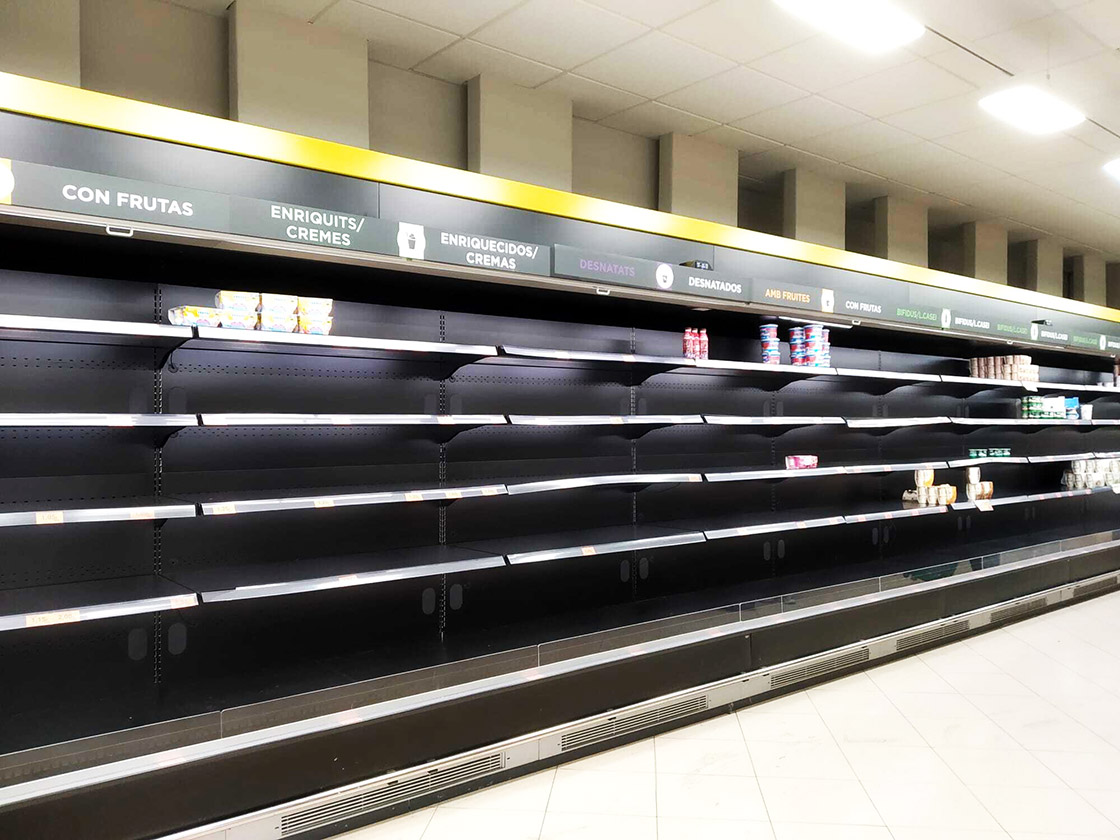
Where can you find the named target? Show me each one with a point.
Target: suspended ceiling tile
(392, 40)
(970, 68)
(652, 119)
(737, 93)
(972, 19)
(890, 91)
(953, 180)
(1038, 44)
(466, 59)
(460, 18)
(820, 63)
(901, 162)
(298, 9)
(1101, 18)
(210, 7)
(651, 12)
(654, 65)
(741, 30)
(576, 34)
(772, 162)
(866, 192)
(734, 138)
(591, 100)
(929, 44)
(939, 119)
(988, 140)
(800, 119)
(1098, 138)
(860, 139)
(1095, 77)
(1072, 178)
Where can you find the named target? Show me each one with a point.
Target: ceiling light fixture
(1032, 109)
(1113, 168)
(871, 26)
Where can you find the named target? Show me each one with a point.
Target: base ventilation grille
(393, 792)
(935, 634)
(1095, 587)
(818, 668)
(624, 725)
(1023, 608)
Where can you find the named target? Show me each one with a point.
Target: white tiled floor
(1013, 735)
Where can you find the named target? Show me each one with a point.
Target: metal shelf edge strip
(566, 552)
(267, 590)
(350, 499)
(93, 612)
(601, 481)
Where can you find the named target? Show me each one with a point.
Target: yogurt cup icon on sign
(1034, 332)
(664, 276)
(946, 318)
(828, 300)
(1103, 342)
(410, 241)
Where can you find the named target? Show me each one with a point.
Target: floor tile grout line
(1071, 670)
(428, 824)
(934, 749)
(757, 783)
(836, 743)
(1009, 734)
(1057, 663)
(548, 800)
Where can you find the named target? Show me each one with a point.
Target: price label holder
(984, 505)
(1030, 386)
(324, 503)
(414, 497)
(181, 601)
(47, 619)
(50, 517)
(143, 513)
(588, 550)
(225, 509)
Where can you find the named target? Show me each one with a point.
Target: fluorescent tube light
(1113, 168)
(871, 26)
(1032, 110)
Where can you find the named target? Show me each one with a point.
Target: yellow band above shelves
(63, 103)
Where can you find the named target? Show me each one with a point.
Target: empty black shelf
(539, 548)
(353, 419)
(226, 504)
(633, 480)
(55, 419)
(448, 354)
(43, 606)
(266, 580)
(90, 331)
(115, 510)
(885, 381)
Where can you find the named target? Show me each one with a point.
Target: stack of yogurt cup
(809, 346)
(771, 347)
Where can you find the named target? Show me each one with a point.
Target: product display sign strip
(129, 200)
(618, 270)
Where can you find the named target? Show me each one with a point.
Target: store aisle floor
(1012, 734)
